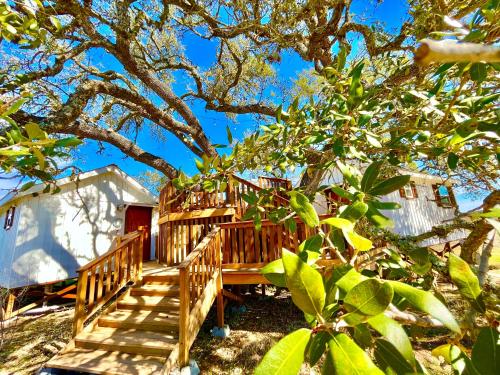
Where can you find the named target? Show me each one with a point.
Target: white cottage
(45, 238)
(425, 202)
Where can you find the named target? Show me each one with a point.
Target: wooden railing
(180, 233)
(102, 278)
(200, 281)
(280, 185)
(173, 200)
(243, 245)
(246, 187)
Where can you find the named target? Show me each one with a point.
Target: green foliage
(26, 149)
(305, 284)
(466, 281)
(287, 355)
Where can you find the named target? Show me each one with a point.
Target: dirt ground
(29, 343)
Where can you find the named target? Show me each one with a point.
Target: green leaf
(229, 135)
(275, 273)
(452, 160)
(199, 165)
(68, 142)
(301, 205)
(14, 107)
(390, 185)
(317, 347)
(466, 281)
(385, 205)
(357, 241)
(34, 131)
(287, 356)
(426, 302)
(313, 243)
(377, 218)
(348, 358)
(56, 22)
(347, 277)
(370, 175)
(486, 352)
(339, 223)
(373, 141)
(305, 284)
(354, 211)
(370, 297)
(27, 185)
(388, 356)
(478, 72)
(394, 333)
(349, 174)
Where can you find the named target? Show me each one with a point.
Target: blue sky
(390, 13)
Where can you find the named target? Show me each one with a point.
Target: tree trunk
(484, 261)
(479, 235)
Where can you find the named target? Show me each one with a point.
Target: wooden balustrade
(200, 281)
(243, 245)
(280, 185)
(246, 187)
(102, 278)
(173, 200)
(179, 234)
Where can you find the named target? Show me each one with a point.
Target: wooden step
(141, 320)
(161, 278)
(155, 290)
(149, 303)
(127, 341)
(103, 362)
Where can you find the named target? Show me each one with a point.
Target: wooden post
(220, 286)
(9, 306)
(81, 294)
(184, 317)
(140, 252)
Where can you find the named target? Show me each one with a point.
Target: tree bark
(478, 235)
(484, 261)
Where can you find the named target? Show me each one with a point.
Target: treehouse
(133, 316)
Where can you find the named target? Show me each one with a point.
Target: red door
(135, 217)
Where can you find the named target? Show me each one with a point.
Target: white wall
(57, 234)
(415, 216)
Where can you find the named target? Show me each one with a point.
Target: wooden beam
(244, 277)
(209, 212)
(232, 296)
(9, 306)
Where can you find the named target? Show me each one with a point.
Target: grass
(33, 340)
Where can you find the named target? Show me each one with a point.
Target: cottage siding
(419, 215)
(57, 234)
(416, 215)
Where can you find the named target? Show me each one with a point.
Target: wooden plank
(184, 338)
(92, 288)
(238, 266)
(100, 282)
(238, 278)
(263, 234)
(200, 310)
(81, 295)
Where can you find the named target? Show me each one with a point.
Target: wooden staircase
(135, 334)
(145, 322)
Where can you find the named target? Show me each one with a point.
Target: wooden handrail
(114, 249)
(200, 281)
(198, 249)
(102, 278)
(265, 222)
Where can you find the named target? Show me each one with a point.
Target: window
(409, 191)
(9, 218)
(444, 195)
